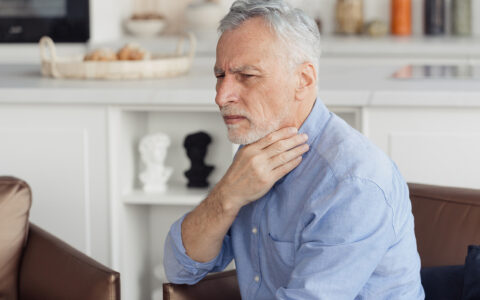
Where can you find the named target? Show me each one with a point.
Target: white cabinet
(430, 145)
(61, 152)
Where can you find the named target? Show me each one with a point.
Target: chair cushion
(471, 287)
(443, 283)
(15, 202)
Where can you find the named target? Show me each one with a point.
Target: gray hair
(298, 31)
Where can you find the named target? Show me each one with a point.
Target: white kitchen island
(76, 143)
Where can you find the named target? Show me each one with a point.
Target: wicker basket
(159, 66)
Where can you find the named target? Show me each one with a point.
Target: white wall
(105, 20)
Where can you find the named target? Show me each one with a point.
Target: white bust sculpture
(153, 150)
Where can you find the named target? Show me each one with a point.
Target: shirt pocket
(282, 252)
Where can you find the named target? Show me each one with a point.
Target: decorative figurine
(153, 150)
(196, 147)
(349, 15)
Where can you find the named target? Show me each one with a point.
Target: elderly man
(309, 208)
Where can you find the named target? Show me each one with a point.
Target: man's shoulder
(349, 154)
(353, 172)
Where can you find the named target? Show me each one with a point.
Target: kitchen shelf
(176, 194)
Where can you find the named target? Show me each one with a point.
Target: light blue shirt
(339, 226)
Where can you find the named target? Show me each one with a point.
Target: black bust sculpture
(196, 146)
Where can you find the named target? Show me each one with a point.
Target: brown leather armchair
(447, 220)
(216, 286)
(36, 265)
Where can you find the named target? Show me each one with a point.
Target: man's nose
(227, 90)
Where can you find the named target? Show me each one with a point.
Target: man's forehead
(250, 46)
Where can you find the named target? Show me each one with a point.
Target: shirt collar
(313, 126)
(316, 121)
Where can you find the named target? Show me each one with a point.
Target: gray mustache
(227, 110)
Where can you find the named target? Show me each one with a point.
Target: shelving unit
(177, 194)
(141, 220)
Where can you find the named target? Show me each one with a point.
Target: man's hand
(252, 174)
(259, 165)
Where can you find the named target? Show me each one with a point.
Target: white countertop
(445, 47)
(342, 82)
(410, 46)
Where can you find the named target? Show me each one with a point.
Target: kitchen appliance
(437, 72)
(26, 21)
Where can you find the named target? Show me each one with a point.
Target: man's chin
(244, 138)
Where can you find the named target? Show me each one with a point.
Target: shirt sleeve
(345, 235)
(180, 268)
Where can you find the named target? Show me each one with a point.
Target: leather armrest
(217, 286)
(51, 269)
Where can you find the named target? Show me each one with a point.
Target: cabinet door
(61, 152)
(430, 145)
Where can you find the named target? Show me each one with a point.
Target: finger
(287, 156)
(283, 170)
(277, 135)
(285, 144)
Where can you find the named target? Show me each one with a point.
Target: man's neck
(304, 111)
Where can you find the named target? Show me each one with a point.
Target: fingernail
(293, 129)
(305, 136)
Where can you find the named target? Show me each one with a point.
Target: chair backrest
(36, 265)
(217, 286)
(52, 269)
(447, 220)
(15, 202)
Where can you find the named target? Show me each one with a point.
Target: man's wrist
(227, 203)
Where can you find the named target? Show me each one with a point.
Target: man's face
(255, 87)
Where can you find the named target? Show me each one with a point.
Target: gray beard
(258, 129)
(256, 132)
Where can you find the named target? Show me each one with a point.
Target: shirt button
(254, 230)
(257, 278)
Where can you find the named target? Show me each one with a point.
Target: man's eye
(247, 75)
(219, 75)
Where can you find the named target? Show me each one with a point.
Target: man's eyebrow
(239, 69)
(245, 68)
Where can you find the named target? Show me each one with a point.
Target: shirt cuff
(190, 265)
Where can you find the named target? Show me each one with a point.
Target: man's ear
(306, 81)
